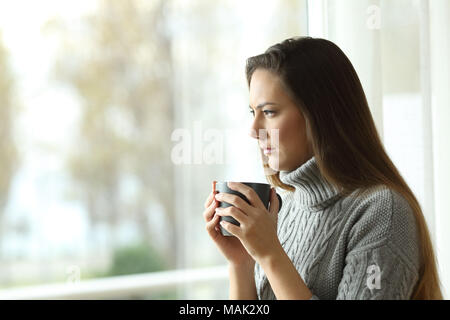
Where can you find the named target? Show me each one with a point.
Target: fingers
(212, 226)
(234, 212)
(209, 212)
(209, 199)
(248, 192)
(234, 200)
(211, 195)
(231, 228)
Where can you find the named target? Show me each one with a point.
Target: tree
(8, 152)
(118, 62)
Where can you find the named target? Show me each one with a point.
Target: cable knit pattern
(354, 247)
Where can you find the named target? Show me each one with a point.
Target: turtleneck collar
(311, 188)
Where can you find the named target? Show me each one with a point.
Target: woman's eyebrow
(263, 104)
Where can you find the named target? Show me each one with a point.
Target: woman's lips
(268, 151)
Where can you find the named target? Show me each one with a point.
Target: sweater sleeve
(377, 274)
(382, 258)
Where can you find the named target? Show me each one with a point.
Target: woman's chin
(274, 163)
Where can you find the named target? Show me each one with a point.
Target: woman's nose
(259, 134)
(253, 133)
(257, 131)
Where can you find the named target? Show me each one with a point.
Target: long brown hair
(321, 80)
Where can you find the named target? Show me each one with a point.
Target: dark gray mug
(261, 189)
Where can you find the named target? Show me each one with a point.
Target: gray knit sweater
(346, 247)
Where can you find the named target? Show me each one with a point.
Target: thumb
(274, 202)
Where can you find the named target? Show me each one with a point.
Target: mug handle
(280, 201)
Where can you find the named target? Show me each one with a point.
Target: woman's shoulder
(381, 215)
(380, 201)
(383, 204)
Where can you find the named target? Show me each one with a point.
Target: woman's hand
(258, 226)
(230, 247)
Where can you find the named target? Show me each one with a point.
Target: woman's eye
(266, 112)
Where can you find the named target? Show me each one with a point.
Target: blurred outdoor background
(98, 200)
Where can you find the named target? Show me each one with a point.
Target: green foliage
(138, 258)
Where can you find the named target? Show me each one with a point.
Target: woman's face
(272, 108)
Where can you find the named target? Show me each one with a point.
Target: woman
(349, 227)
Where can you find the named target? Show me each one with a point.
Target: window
(97, 90)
